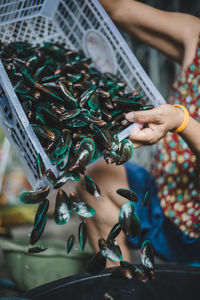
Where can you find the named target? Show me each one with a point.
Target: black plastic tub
(171, 282)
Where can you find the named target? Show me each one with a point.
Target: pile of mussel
(76, 112)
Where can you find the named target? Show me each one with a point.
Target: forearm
(168, 32)
(191, 135)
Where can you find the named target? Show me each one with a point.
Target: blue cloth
(169, 242)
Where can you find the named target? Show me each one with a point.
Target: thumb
(147, 116)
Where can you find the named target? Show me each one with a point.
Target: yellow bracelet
(185, 120)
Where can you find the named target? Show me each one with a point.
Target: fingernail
(129, 116)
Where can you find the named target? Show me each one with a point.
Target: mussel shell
(69, 114)
(39, 221)
(115, 142)
(50, 176)
(75, 175)
(92, 187)
(33, 197)
(147, 107)
(146, 199)
(88, 118)
(37, 249)
(67, 96)
(128, 220)
(128, 194)
(86, 95)
(129, 271)
(37, 231)
(82, 233)
(128, 104)
(50, 78)
(93, 102)
(70, 243)
(107, 296)
(41, 212)
(110, 250)
(76, 123)
(21, 87)
(110, 156)
(62, 162)
(97, 264)
(40, 167)
(50, 119)
(126, 151)
(62, 210)
(44, 132)
(103, 137)
(61, 180)
(80, 207)
(40, 72)
(81, 161)
(84, 155)
(64, 143)
(114, 232)
(147, 259)
(122, 272)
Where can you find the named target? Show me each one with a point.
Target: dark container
(171, 283)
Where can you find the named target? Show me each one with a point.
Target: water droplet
(27, 267)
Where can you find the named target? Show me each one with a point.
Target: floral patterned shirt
(176, 168)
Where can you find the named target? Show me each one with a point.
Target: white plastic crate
(79, 24)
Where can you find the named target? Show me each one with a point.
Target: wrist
(181, 118)
(178, 118)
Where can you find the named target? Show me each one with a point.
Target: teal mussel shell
(126, 152)
(147, 259)
(64, 143)
(40, 166)
(128, 194)
(82, 234)
(85, 153)
(92, 187)
(128, 270)
(80, 207)
(38, 249)
(114, 232)
(51, 176)
(39, 221)
(62, 210)
(110, 250)
(70, 243)
(69, 114)
(146, 199)
(35, 196)
(86, 95)
(128, 220)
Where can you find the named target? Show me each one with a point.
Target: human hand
(154, 124)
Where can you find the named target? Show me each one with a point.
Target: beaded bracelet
(185, 120)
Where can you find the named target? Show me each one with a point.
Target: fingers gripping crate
(79, 24)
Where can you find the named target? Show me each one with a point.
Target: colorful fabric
(176, 168)
(169, 243)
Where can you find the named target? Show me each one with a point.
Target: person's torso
(176, 168)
